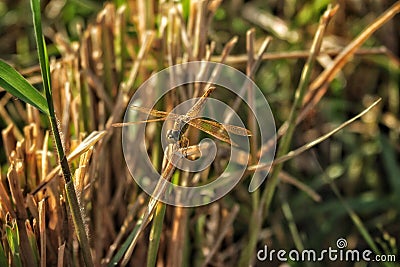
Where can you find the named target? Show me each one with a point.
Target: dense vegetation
(326, 62)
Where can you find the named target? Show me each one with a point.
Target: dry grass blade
(61, 255)
(319, 87)
(224, 229)
(250, 73)
(178, 233)
(6, 202)
(95, 82)
(42, 231)
(84, 146)
(238, 60)
(14, 176)
(4, 114)
(44, 156)
(158, 191)
(285, 177)
(199, 34)
(146, 44)
(8, 140)
(160, 188)
(309, 145)
(126, 226)
(328, 75)
(216, 71)
(184, 34)
(81, 171)
(269, 22)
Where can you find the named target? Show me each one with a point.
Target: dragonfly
(181, 122)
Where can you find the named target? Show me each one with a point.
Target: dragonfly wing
(161, 116)
(123, 124)
(217, 129)
(236, 130)
(195, 110)
(228, 127)
(212, 128)
(154, 112)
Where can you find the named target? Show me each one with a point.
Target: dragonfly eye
(173, 136)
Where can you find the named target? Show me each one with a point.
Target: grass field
(328, 69)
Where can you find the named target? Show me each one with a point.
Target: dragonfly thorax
(180, 127)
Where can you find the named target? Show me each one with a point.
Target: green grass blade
(157, 226)
(18, 86)
(42, 53)
(114, 261)
(33, 244)
(391, 165)
(155, 235)
(357, 221)
(3, 258)
(73, 203)
(246, 257)
(13, 242)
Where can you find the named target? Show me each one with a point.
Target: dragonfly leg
(184, 144)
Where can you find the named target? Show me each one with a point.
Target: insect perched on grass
(182, 122)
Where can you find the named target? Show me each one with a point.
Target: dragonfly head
(173, 136)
